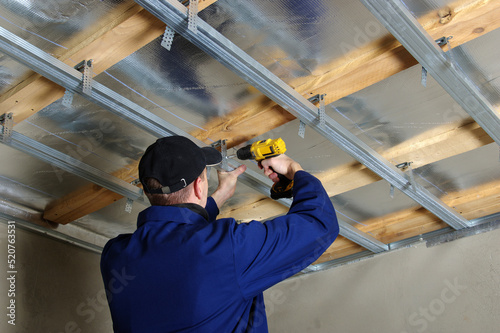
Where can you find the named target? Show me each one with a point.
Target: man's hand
(281, 164)
(227, 184)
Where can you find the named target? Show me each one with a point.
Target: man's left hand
(227, 184)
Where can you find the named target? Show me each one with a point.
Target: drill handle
(283, 188)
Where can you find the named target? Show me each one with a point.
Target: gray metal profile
(405, 28)
(56, 158)
(34, 221)
(174, 14)
(368, 242)
(69, 78)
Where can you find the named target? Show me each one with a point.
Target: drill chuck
(244, 153)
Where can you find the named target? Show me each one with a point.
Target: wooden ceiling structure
(134, 27)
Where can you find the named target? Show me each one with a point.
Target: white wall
(453, 287)
(58, 287)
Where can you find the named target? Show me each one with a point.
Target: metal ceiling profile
(174, 14)
(70, 79)
(67, 163)
(400, 22)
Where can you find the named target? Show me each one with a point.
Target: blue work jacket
(182, 272)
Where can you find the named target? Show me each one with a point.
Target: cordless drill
(261, 150)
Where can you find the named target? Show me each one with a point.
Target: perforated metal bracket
(321, 110)
(67, 99)
(128, 205)
(193, 15)
(221, 145)
(168, 38)
(302, 129)
(445, 41)
(319, 98)
(406, 166)
(130, 202)
(86, 67)
(7, 122)
(424, 76)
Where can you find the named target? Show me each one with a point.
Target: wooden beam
(124, 35)
(482, 200)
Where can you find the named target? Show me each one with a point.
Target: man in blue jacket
(183, 270)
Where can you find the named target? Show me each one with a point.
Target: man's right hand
(281, 164)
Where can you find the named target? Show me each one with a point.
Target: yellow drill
(261, 150)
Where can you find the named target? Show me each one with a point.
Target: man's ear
(198, 188)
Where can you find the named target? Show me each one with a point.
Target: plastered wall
(58, 287)
(453, 287)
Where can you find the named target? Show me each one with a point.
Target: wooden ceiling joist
(473, 203)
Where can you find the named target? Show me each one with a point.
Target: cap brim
(212, 156)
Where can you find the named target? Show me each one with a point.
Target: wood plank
(115, 41)
(482, 200)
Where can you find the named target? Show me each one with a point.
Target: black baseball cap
(175, 161)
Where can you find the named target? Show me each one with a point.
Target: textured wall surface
(452, 287)
(58, 287)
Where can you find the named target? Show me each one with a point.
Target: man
(184, 271)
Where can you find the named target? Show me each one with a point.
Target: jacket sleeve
(267, 253)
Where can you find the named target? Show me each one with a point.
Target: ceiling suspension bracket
(302, 129)
(321, 110)
(406, 166)
(86, 67)
(221, 145)
(67, 99)
(168, 38)
(128, 205)
(193, 15)
(440, 42)
(7, 122)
